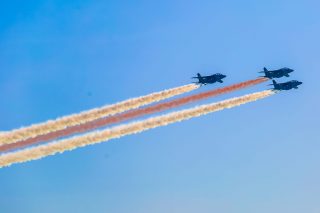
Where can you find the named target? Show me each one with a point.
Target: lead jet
(276, 73)
(211, 79)
(286, 86)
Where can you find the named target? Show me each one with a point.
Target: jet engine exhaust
(60, 146)
(130, 115)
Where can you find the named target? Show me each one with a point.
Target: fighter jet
(204, 80)
(286, 86)
(276, 73)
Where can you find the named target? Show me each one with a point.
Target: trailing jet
(203, 80)
(276, 73)
(286, 86)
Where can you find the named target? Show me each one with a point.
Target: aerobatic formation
(51, 137)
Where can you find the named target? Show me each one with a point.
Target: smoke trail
(90, 115)
(126, 129)
(130, 114)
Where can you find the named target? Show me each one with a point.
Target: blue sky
(60, 57)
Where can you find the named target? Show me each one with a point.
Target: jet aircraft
(276, 73)
(286, 86)
(203, 80)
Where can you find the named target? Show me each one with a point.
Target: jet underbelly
(278, 74)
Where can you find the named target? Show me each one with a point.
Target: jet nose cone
(223, 76)
(291, 70)
(300, 82)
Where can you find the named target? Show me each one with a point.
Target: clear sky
(59, 57)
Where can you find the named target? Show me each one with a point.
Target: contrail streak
(90, 115)
(126, 129)
(130, 114)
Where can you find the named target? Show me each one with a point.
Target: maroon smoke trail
(130, 114)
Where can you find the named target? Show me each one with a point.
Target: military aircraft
(276, 73)
(203, 80)
(286, 86)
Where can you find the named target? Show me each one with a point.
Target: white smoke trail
(126, 129)
(90, 115)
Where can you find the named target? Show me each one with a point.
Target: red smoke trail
(131, 114)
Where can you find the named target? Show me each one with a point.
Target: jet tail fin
(264, 70)
(275, 85)
(274, 82)
(198, 76)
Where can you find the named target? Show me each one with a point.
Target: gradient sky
(59, 57)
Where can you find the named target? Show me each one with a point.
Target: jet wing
(202, 77)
